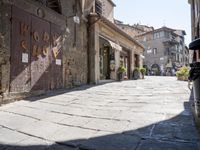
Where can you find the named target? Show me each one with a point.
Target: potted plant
(143, 72)
(121, 70)
(136, 73)
(183, 73)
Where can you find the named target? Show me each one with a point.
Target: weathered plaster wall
(5, 15)
(75, 46)
(74, 42)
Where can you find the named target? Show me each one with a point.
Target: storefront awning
(112, 44)
(115, 46)
(142, 56)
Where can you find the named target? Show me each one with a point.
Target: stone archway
(155, 70)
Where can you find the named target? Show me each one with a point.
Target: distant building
(165, 50)
(133, 30)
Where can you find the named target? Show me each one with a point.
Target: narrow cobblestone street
(150, 114)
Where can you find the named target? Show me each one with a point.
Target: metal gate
(36, 55)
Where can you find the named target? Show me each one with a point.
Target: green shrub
(143, 70)
(136, 69)
(121, 69)
(183, 73)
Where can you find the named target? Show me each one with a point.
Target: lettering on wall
(24, 29)
(37, 48)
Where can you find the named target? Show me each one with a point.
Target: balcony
(169, 42)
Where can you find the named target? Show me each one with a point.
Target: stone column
(117, 62)
(141, 61)
(132, 63)
(93, 51)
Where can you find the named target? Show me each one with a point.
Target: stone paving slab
(14, 121)
(41, 129)
(107, 125)
(116, 142)
(72, 136)
(11, 137)
(166, 145)
(153, 113)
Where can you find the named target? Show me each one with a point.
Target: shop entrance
(125, 61)
(104, 63)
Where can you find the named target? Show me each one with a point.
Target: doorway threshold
(106, 81)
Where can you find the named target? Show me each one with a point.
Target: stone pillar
(93, 52)
(141, 61)
(5, 40)
(132, 63)
(117, 62)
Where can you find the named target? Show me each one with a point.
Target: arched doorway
(155, 70)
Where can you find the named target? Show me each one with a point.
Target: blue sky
(157, 13)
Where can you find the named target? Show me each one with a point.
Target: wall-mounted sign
(24, 57)
(76, 19)
(58, 62)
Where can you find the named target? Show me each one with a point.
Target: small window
(156, 35)
(54, 5)
(155, 51)
(149, 51)
(98, 7)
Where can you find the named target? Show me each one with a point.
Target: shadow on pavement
(57, 92)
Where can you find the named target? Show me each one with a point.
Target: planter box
(182, 78)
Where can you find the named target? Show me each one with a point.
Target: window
(52, 4)
(167, 34)
(98, 7)
(155, 51)
(149, 51)
(166, 51)
(156, 35)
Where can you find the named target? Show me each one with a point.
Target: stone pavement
(150, 114)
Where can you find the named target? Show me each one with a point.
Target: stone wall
(74, 46)
(5, 15)
(74, 42)
(108, 10)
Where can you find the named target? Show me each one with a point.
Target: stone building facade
(133, 30)
(165, 50)
(41, 46)
(53, 44)
(110, 46)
